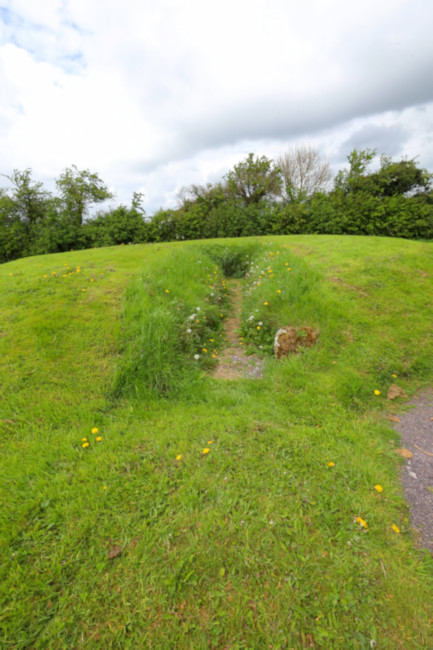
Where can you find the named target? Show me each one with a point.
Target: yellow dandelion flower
(378, 488)
(266, 303)
(82, 289)
(179, 457)
(92, 280)
(64, 275)
(167, 291)
(54, 273)
(95, 430)
(394, 375)
(10, 274)
(77, 270)
(105, 487)
(377, 392)
(83, 439)
(395, 528)
(211, 340)
(206, 450)
(45, 276)
(214, 356)
(331, 464)
(85, 444)
(99, 439)
(360, 520)
(258, 327)
(278, 290)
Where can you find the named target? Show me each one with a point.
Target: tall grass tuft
(169, 315)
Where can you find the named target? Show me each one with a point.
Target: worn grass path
(234, 362)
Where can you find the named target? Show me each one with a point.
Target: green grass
(255, 543)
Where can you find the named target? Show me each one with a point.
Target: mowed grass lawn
(145, 504)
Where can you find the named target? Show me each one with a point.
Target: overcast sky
(156, 94)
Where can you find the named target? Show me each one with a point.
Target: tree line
(293, 194)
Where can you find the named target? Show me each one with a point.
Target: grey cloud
(283, 117)
(386, 139)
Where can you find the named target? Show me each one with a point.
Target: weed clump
(233, 260)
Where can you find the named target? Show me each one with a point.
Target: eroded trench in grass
(244, 357)
(237, 358)
(234, 362)
(334, 476)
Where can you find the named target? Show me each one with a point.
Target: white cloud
(163, 94)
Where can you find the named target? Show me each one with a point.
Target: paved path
(416, 429)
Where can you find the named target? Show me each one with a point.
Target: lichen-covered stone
(289, 340)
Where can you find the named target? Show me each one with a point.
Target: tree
(304, 173)
(13, 238)
(28, 198)
(119, 226)
(402, 177)
(209, 195)
(254, 179)
(137, 204)
(22, 213)
(79, 190)
(391, 179)
(353, 179)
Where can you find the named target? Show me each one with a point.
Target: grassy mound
(189, 512)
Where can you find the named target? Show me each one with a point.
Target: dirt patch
(416, 429)
(347, 285)
(234, 362)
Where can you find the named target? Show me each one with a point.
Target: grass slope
(275, 536)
